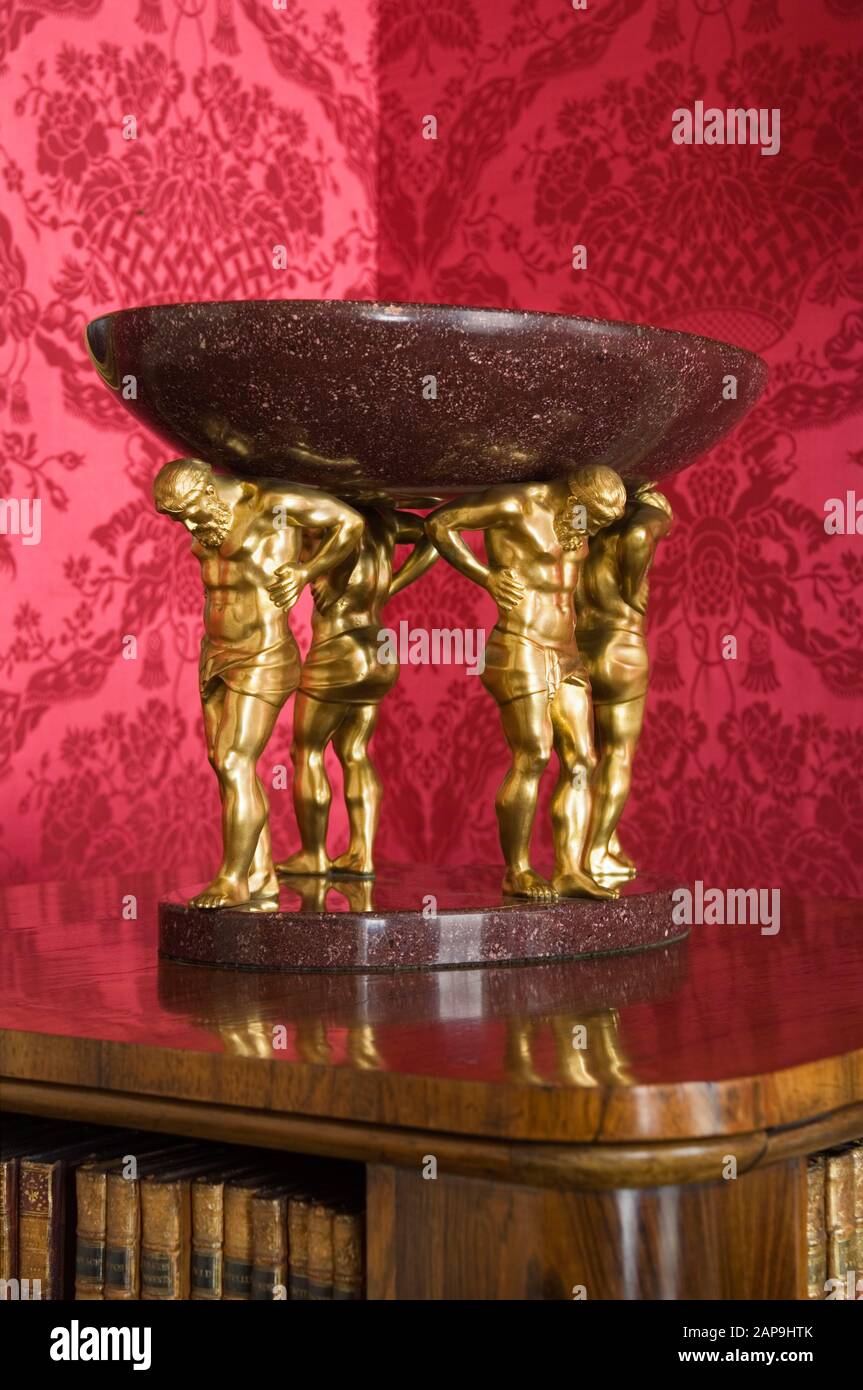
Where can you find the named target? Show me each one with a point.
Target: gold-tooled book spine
(9, 1218)
(816, 1230)
(320, 1252)
(91, 1188)
(298, 1247)
(122, 1237)
(857, 1165)
(348, 1255)
(237, 1272)
(208, 1233)
(166, 1237)
(36, 1198)
(269, 1247)
(839, 1207)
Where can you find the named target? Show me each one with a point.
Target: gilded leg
(238, 728)
(362, 789)
(528, 729)
(315, 722)
(618, 728)
(263, 882)
(572, 719)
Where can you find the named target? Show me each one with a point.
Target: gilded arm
(637, 553)
(477, 512)
(341, 528)
(412, 531)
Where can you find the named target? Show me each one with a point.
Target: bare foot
(526, 883)
(222, 892)
(581, 885)
(354, 863)
(604, 864)
(305, 861)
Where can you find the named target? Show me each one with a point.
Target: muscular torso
(607, 596)
(353, 594)
(599, 600)
(237, 607)
(528, 544)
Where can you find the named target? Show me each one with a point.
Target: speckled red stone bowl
(419, 399)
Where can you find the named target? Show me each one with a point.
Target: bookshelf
(526, 1131)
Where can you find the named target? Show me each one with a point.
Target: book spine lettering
(122, 1237)
(91, 1190)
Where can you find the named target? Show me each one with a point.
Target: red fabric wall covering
(304, 127)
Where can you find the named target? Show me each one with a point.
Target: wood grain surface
(730, 1033)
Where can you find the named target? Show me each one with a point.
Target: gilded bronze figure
(342, 684)
(295, 403)
(536, 540)
(611, 602)
(248, 537)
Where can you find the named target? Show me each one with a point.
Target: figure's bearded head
(597, 496)
(185, 490)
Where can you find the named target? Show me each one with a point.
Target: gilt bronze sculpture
(248, 537)
(611, 603)
(536, 539)
(306, 430)
(343, 681)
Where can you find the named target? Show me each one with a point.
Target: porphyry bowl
(419, 399)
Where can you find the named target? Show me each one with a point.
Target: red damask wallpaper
(302, 124)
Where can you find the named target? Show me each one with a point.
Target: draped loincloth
(516, 665)
(347, 669)
(271, 673)
(616, 659)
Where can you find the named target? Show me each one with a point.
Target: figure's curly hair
(178, 482)
(596, 483)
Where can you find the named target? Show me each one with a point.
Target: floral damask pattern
(302, 127)
(561, 123)
(101, 757)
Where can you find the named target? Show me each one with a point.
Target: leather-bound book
(348, 1252)
(208, 1229)
(270, 1272)
(166, 1228)
(46, 1212)
(839, 1207)
(18, 1141)
(91, 1186)
(166, 1237)
(208, 1236)
(857, 1165)
(816, 1228)
(9, 1215)
(320, 1258)
(123, 1220)
(237, 1270)
(298, 1245)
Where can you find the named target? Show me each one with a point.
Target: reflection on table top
(722, 1010)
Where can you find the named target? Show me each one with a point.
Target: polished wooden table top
(729, 1032)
